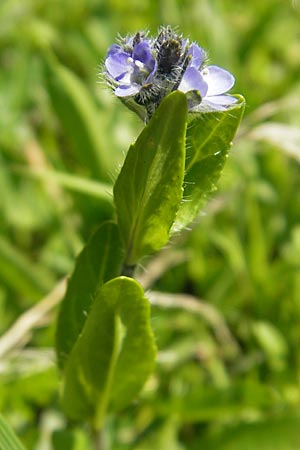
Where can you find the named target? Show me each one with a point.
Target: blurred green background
(228, 377)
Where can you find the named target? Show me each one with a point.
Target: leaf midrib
(143, 200)
(144, 197)
(103, 405)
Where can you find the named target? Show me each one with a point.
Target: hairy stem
(128, 271)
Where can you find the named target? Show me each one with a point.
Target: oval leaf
(99, 261)
(209, 138)
(148, 190)
(114, 355)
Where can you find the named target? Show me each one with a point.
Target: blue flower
(128, 71)
(212, 82)
(142, 71)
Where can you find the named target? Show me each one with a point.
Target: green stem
(98, 440)
(128, 271)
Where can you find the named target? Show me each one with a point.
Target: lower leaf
(114, 355)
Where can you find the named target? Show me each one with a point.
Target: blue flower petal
(115, 48)
(225, 100)
(198, 55)
(192, 80)
(152, 69)
(216, 103)
(142, 53)
(117, 64)
(127, 91)
(218, 80)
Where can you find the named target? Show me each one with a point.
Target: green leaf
(113, 356)
(79, 118)
(276, 434)
(8, 439)
(99, 261)
(209, 138)
(148, 190)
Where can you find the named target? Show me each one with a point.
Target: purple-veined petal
(198, 55)
(224, 100)
(142, 52)
(152, 67)
(117, 64)
(192, 80)
(127, 91)
(218, 80)
(115, 48)
(124, 78)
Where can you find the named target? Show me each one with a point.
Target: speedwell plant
(105, 345)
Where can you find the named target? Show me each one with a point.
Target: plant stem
(98, 440)
(128, 271)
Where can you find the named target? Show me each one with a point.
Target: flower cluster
(142, 70)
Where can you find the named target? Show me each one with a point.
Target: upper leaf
(209, 138)
(148, 190)
(99, 261)
(107, 367)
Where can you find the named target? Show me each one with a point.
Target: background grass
(62, 139)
